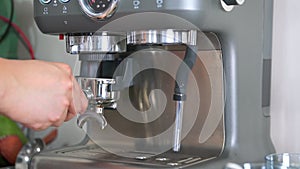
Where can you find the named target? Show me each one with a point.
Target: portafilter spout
(96, 114)
(100, 95)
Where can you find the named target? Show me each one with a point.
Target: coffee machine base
(92, 156)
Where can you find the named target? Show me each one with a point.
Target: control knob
(99, 9)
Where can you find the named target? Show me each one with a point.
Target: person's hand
(39, 94)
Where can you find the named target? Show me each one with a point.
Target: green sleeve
(9, 127)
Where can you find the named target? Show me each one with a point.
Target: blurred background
(285, 91)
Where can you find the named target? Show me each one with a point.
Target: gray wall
(285, 107)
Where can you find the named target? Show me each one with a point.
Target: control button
(228, 5)
(234, 2)
(64, 1)
(136, 4)
(61, 37)
(159, 3)
(45, 1)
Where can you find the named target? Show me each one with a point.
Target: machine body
(204, 114)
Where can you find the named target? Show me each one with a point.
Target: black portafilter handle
(183, 73)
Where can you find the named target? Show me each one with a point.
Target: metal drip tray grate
(168, 159)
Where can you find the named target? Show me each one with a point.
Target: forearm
(5, 82)
(2, 85)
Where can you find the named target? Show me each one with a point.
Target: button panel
(44, 2)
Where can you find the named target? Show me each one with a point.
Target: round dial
(99, 5)
(99, 9)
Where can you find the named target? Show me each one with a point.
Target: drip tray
(96, 154)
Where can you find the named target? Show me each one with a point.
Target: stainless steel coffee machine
(170, 83)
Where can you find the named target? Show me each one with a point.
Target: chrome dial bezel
(102, 15)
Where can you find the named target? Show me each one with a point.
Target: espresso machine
(170, 83)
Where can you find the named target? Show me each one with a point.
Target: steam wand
(180, 91)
